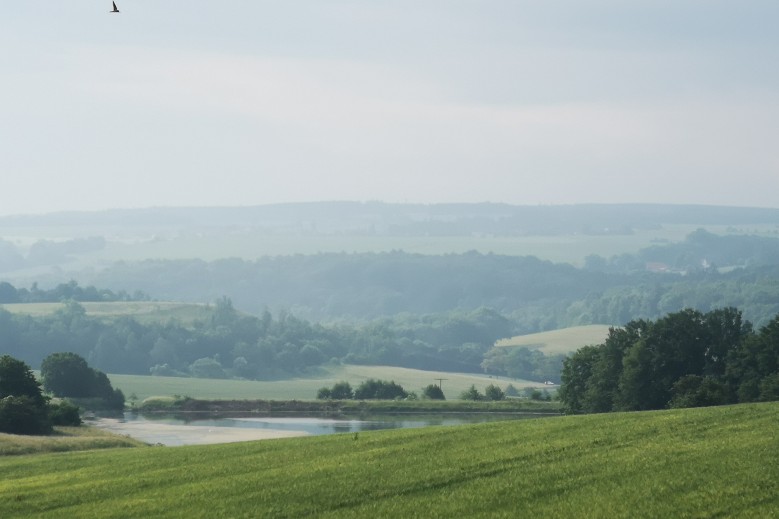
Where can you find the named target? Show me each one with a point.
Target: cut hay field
(562, 341)
(713, 462)
(305, 388)
(142, 311)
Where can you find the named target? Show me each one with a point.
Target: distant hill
(432, 219)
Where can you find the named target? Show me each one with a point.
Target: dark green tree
(23, 408)
(372, 389)
(471, 394)
(493, 392)
(433, 392)
(17, 379)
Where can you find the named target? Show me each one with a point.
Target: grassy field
(713, 462)
(141, 311)
(305, 388)
(565, 340)
(63, 439)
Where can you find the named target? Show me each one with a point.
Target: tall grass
(714, 462)
(64, 439)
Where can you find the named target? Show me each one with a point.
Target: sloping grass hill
(713, 462)
(562, 341)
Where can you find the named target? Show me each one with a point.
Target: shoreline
(178, 435)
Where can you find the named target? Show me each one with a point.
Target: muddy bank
(175, 435)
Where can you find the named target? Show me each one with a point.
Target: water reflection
(319, 426)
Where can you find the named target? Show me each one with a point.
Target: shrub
(23, 415)
(372, 389)
(471, 394)
(433, 392)
(64, 413)
(493, 392)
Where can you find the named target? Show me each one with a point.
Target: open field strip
(304, 388)
(712, 462)
(142, 311)
(564, 340)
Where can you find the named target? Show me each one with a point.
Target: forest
(684, 359)
(703, 272)
(235, 345)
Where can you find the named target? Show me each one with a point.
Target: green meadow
(711, 462)
(562, 341)
(305, 388)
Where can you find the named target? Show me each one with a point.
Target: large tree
(69, 375)
(23, 408)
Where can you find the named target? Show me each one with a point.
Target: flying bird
(116, 10)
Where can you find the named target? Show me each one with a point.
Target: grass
(63, 439)
(304, 388)
(714, 462)
(142, 311)
(562, 341)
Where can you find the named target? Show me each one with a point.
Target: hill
(562, 341)
(712, 462)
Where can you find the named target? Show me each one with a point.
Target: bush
(493, 392)
(471, 394)
(64, 413)
(68, 375)
(373, 389)
(433, 392)
(23, 415)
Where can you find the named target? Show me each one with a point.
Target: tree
(493, 392)
(23, 408)
(17, 379)
(433, 392)
(341, 391)
(471, 394)
(69, 375)
(372, 389)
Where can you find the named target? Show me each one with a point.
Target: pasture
(305, 388)
(709, 462)
(562, 341)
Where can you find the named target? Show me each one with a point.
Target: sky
(248, 102)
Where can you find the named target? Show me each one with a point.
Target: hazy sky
(249, 102)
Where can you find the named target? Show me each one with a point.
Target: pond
(168, 430)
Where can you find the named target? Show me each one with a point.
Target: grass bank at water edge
(713, 462)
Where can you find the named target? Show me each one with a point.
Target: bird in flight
(115, 8)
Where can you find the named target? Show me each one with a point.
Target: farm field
(305, 388)
(707, 462)
(142, 311)
(562, 341)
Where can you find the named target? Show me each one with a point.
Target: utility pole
(440, 380)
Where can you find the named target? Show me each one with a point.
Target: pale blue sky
(175, 103)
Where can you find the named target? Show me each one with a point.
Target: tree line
(230, 344)
(685, 359)
(27, 406)
(705, 271)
